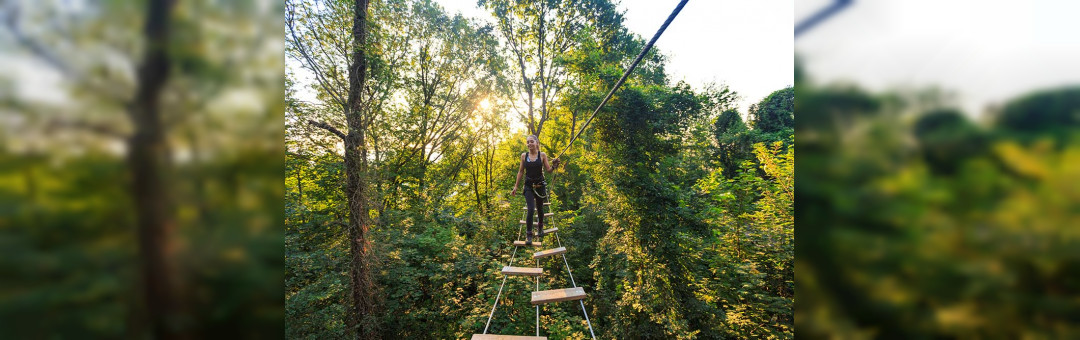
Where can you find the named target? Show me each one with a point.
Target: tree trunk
(147, 159)
(361, 316)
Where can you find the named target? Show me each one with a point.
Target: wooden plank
(549, 252)
(536, 222)
(552, 230)
(522, 243)
(556, 295)
(522, 271)
(506, 337)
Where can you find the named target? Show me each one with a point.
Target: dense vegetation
(917, 221)
(677, 212)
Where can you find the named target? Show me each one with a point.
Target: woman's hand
(555, 163)
(513, 192)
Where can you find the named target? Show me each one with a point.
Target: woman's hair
(533, 137)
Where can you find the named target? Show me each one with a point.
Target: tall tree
(538, 35)
(358, 116)
(449, 68)
(147, 158)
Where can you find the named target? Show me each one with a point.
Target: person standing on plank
(533, 165)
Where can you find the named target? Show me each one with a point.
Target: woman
(533, 164)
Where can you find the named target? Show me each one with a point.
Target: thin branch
(327, 127)
(97, 128)
(11, 20)
(290, 22)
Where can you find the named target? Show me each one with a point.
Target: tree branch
(327, 127)
(102, 129)
(11, 20)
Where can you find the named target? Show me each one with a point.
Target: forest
(144, 144)
(141, 162)
(920, 220)
(404, 126)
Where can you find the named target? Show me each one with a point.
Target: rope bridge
(565, 294)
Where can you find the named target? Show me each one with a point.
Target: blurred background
(141, 162)
(937, 164)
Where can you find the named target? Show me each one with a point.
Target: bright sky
(746, 44)
(988, 51)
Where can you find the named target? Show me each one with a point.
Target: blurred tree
(1043, 114)
(147, 158)
(947, 138)
(154, 82)
(916, 240)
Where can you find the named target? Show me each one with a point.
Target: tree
(448, 69)
(775, 113)
(946, 138)
(147, 160)
(1050, 113)
(538, 35)
(358, 116)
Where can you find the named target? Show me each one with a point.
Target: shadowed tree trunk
(148, 160)
(360, 320)
(361, 315)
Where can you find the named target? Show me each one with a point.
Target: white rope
(559, 240)
(537, 306)
(501, 287)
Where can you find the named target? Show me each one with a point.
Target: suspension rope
(514, 255)
(537, 306)
(551, 192)
(607, 97)
(626, 73)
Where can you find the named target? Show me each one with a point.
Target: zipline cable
(626, 73)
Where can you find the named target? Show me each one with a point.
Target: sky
(744, 44)
(986, 51)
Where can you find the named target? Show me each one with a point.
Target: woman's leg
(530, 204)
(540, 214)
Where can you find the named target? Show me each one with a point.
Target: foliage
(72, 267)
(966, 233)
(646, 237)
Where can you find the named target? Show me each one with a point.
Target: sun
(484, 104)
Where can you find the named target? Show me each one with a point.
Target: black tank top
(534, 171)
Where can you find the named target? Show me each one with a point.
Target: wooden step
(535, 222)
(549, 252)
(545, 204)
(506, 337)
(522, 243)
(522, 271)
(556, 295)
(552, 230)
